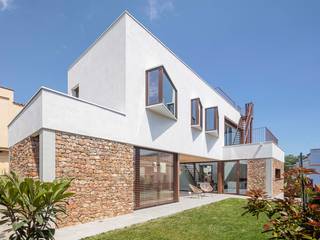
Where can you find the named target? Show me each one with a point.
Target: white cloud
(156, 8)
(5, 4)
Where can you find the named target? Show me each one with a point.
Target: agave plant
(32, 207)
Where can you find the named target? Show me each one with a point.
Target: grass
(221, 220)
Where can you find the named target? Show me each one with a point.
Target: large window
(212, 119)
(160, 90)
(232, 135)
(196, 173)
(196, 113)
(155, 174)
(230, 177)
(235, 177)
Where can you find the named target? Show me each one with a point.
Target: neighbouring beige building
(8, 110)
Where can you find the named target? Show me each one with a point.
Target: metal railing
(259, 135)
(227, 98)
(263, 134)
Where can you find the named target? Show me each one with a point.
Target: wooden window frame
(199, 113)
(162, 71)
(215, 117)
(137, 187)
(220, 174)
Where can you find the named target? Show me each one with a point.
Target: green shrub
(32, 207)
(288, 218)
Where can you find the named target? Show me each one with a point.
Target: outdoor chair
(196, 191)
(206, 187)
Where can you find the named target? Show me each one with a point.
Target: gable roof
(219, 91)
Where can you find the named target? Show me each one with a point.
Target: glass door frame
(221, 179)
(136, 185)
(220, 174)
(196, 173)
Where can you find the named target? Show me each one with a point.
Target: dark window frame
(162, 71)
(215, 119)
(136, 185)
(220, 173)
(277, 173)
(199, 113)
(75, 91)
(228, 122)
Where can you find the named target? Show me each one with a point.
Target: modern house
(8, 110)
(137, 126)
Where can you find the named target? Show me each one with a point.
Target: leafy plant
(32, 207)
(289, 218)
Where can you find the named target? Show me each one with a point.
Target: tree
(32, 207)
(287, 217)
(290, 161)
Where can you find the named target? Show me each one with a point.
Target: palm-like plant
(32, 207)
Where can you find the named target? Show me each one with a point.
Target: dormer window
(212, 121)
(196, 113)
(161, 95)
(75, 91)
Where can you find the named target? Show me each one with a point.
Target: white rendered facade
(111, 77)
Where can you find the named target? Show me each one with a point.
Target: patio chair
(196, 191)
(206, 187)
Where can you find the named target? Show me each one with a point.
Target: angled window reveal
(196, 113)
(212, 121)
(161, 94)
(75, 91)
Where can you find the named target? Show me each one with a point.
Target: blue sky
(267, 52)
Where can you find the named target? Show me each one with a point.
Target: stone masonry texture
(277, 184)
(103, 176)
(24, 157)
(257, 174)
(102, 173)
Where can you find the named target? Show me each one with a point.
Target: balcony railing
(259, 135)
(263, 134)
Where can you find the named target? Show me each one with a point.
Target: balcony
(259, 135)
(263, 145)
(263, 134)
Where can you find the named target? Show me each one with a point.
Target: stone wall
(103, 176)
(257, 174)
(24, 157)
(277, 184)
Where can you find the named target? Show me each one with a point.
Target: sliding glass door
(155, 177)
(243, 177)
(230, 177)
(235, 177)
(196, 173)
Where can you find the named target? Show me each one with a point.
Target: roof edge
(10, 89)
(45, 89)
(126, 12)
(99, 37)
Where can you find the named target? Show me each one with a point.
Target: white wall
(28, 121)
(132, 123)
(143, 52)
(253, 151)
(100, 71)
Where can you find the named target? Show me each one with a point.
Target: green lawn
(221, 220)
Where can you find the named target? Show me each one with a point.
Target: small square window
(278, 173)
(75, 92)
